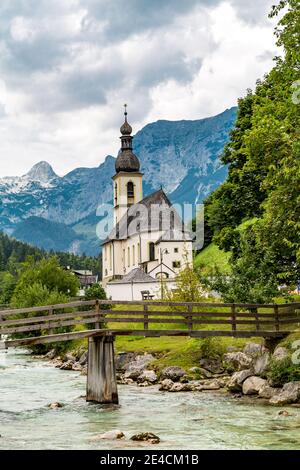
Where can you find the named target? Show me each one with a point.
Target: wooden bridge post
(101, 375)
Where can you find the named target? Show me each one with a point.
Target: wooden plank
(47, 326)
(289, 321)
(233, 318)
(141, 303)
(190, 317)
(59, 316)
(46, 307)
(149, 333)
(276, 312)
(185, 304)
(97, 311)
(146, 318)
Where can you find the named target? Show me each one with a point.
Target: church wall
(120, 182)
(118, 291)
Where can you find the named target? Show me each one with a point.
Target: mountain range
(59, 213)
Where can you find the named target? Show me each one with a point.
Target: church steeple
(128, 180)
(126, 160)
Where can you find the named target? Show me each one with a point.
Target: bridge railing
(34, 325)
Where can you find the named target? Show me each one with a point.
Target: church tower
(128, 180)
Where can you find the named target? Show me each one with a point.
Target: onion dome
(126, 160)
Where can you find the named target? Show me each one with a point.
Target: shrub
(283, 371)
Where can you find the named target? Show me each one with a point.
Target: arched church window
(151, 251)
(116, 194)
(130, 189)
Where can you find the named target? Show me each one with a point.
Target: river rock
(83, 359)
(135, 368)
(209, 385)
(267, 392)
(235, 382)
(284, 413)
(50, 355)
(280, 353)
(67, 365)
(146, 437)
(253, 349)
(77, 367)
(69, 357)
(83, 370)
(125, 381)
(214, 366)
(180, 387)
(238, 360)
(124, 358)
(148, 376)
(110, 436)
(253, 385)
(173, 373)
(55, 405)
(290, 393)
(261, 364)
(166, 385)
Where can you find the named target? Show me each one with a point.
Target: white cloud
(67, 66)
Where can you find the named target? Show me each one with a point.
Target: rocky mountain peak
(42, 172)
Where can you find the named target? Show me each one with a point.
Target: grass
(212, 257)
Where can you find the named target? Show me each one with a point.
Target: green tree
(262, 188)
(50, 275)
(95, 292)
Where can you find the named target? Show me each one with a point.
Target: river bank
(253, 370)
(207, 420)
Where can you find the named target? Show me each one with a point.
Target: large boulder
(253, 385)
(173, 373)
(134, 369)
(166, 385)
(253, 349)
(238, 360)
(214, 366)
(148, 376)
(123, 359)
(267, 392)
(290, 393)
(261, 364)
(236, 380)
(280, 353)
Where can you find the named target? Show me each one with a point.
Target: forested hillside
(13, 251)
(255, 213)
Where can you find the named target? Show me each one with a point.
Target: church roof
(175, 236)
(153, 213)
(136, 275)
(127, 161)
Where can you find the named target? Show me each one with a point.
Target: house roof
(153, 213)
(136, 275)
(175, 236)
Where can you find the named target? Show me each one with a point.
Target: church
(149, 243)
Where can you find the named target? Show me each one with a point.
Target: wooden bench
(146, 295)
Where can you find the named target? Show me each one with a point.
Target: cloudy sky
(67, 67)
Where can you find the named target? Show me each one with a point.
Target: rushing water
(182, 420)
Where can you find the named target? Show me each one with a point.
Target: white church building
(149, 241)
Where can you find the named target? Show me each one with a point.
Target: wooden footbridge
(101, 320)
